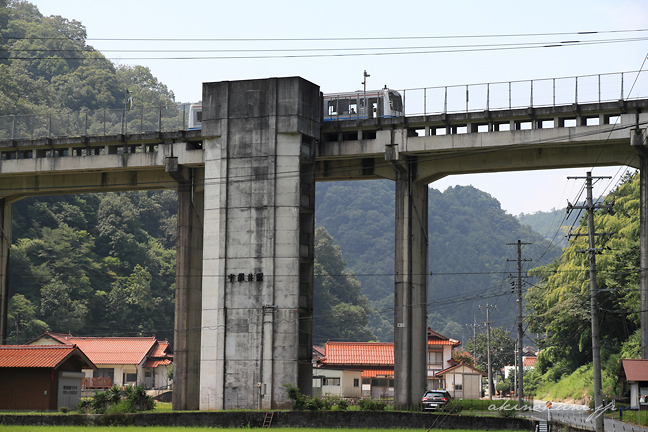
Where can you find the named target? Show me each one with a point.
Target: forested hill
(468, 251)
(104, 264)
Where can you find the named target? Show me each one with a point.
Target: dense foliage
(46, 66)
(468, 251)
(341, 312)
(101, 265)
(559, 308)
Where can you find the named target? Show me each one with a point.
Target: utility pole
(519, 368)
(474, 326)
(364, 83)
(592, 250)
(488, 351)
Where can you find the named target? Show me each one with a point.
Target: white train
(382, 103)
(360, 105)
(195, 116)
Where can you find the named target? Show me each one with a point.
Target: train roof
(361, 92)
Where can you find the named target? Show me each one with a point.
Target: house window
(435, 357)
(147, 374)
(366, 380)
(356, 382)
(104, 373)
(131, 377)
(458, 386)
(332, 381)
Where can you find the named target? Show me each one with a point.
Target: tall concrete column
(258, 241)
(5, 246)
(188, 306)
(640, 142)
(410, 299)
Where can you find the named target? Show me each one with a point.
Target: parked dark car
(435, 399)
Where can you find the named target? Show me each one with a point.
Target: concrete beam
(410, 287)
(524, 159)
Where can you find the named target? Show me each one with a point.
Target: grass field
(190, 429)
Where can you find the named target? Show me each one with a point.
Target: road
(579, 416)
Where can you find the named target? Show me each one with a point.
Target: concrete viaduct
(246, 188)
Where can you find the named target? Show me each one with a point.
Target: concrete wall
(311, 419)
(257, 288)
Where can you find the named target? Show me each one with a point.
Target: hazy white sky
(527, 192)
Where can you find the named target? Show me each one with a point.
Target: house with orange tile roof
(41, 378)
(376, 361)
(120, 360)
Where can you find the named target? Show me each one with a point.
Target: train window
(395, 102)
(332, 110)
(198, 116)
(353, 106)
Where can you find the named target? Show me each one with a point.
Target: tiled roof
(155, 363)
(110, 350)
(435, 338)
(635, 370)
(372, 373)
(359, 353)
(40, 356)
(529, 361)
(160, 350)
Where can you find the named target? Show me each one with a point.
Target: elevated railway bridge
(246, 188)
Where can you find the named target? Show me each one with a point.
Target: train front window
(395, 102)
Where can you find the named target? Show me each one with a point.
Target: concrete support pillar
(5, 246)
(639, 140)
(259, 241)
(188, 306)
(410, 299)
(643, 254)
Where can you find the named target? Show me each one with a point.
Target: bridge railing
(95, 123)
(525, 93)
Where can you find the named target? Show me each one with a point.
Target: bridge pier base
(257, 299)
(410, 290)
(5, 246)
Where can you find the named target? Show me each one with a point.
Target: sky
(195, 29)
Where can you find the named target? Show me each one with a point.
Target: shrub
(121, 407)
(64, 409)
(371, 405)
(138, 398)
(299, 399)
(314, 404)
(84, 405)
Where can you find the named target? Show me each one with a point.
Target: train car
(360, 105)
(340, 106)
(195, 116)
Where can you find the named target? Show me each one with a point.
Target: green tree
(559, 307)
(341, 312)
(502, 349)
(22, 320)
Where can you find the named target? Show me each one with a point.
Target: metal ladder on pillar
(267, 421)
(542, 426)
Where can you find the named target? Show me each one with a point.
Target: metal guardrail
(416, 101)
(95, 123)
(537, 93)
